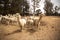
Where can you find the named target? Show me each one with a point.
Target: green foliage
(13, 6)
(17, 6)
(1, 9)
(48, 7)
(35, 5)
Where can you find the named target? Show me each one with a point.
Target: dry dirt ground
(49, 29)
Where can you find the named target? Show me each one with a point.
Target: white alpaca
(22, 22)
(4, 20)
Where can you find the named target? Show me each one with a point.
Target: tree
(1, 7)
(25, 8)
(4, 7)
(16, 6)
(36, 4)
(48, 7)
(38, 12)
(13, 6)
(56, 9)
(19, 6)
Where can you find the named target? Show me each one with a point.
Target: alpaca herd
(19, 20)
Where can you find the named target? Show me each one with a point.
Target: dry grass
(49, 29)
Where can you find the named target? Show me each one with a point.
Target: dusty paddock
(48, 30)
